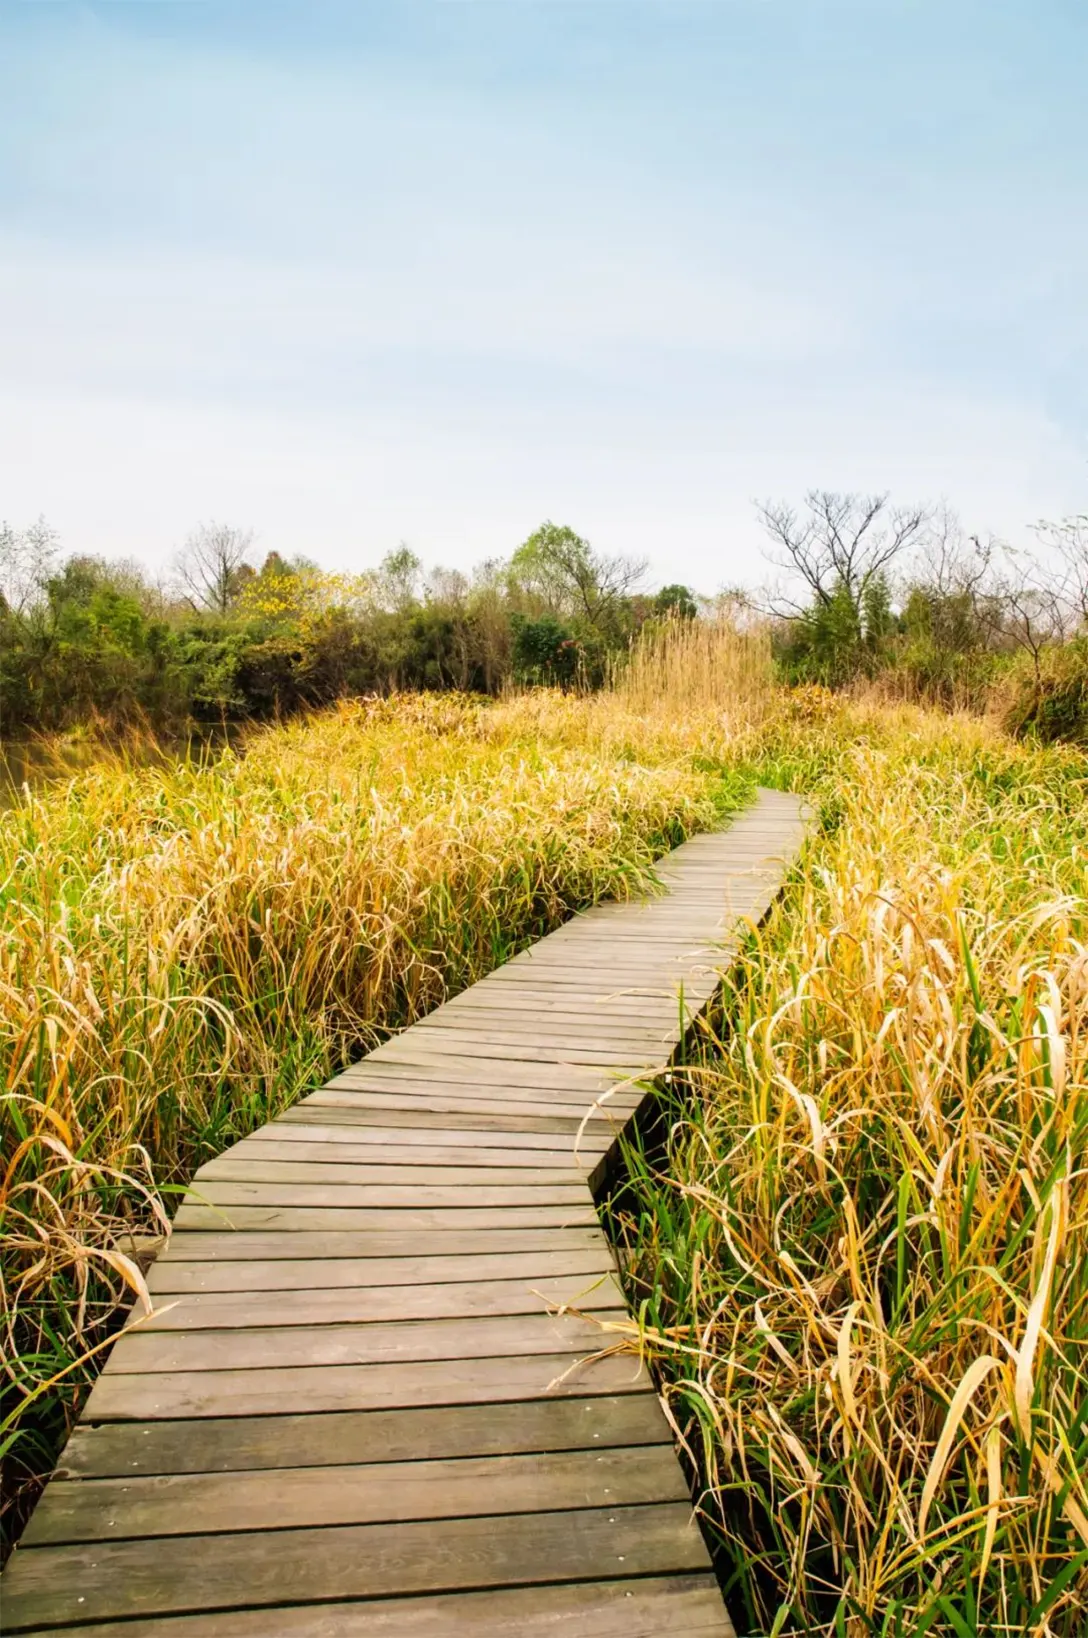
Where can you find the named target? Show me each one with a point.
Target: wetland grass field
(861, 1250)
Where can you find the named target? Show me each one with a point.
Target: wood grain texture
(141, 1350)
(236, 1444)
(369, 1493)
(252, 1279)
(271, 1567)
(399, 1385)
(677, 1604)
(388, 1386)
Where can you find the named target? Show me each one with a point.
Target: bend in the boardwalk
(378, 1394)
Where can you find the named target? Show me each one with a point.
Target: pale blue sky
(351, 274)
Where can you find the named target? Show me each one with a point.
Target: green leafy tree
(676, 600)
(546, 651)
(560, 574)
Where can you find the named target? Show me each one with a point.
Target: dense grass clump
(185, 948)
(863, 1257)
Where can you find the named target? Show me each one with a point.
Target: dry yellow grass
(864, 1257)
(866, 1250)
(185, 949)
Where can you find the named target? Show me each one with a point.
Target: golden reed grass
(187, 947)
(863, 1261)
(864, 1255)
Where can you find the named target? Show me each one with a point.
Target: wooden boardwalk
(355, 1410)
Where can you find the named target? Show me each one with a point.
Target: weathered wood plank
(251, 1163)
(532, 1044)
(378, 1162)
(356, 1305)
(400, 1118)
(117, 1396)
(645, 1608)
(129, 1579)
(453, 1081)
(501, 1005)
(247, 1190)
(442, 1103)
(170, 1277)
(141, 1350)
(226, 1245)
(295, 1497)
(405, 1220)
(237, 1444)
(400, 1144)
(470, 1057)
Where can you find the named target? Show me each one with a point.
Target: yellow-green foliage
(866, 1252)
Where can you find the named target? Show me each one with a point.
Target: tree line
(227, 636)
(905, 598)
(869, 592)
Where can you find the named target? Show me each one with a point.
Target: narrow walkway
(353, 1413)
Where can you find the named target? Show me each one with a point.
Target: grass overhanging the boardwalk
(862, 1254)
(186, 948)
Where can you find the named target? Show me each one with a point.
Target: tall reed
(864, 1256)
(187, 947)
(686, 667)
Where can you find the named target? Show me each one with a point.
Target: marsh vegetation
(862, 1250)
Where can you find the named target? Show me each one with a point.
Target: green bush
(1051, 704)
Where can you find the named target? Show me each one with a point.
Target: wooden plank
(377, 1141)
(594, 978)
(508, 1008)
(350, 1305)
(238, 1444)
(118, 1396)
(456, 1060)
(453, 1080)
(270, 1567)
(590, 1000)
(558, 1039)
(598, 972)
(622, 1098)
(377, 1162)
(251, 1163)
(535, 1044)
(497, 1126)
(439, 1103)
(622, 1095)
(227, 1245)
(659, 1014)
(485, 1007)
(295, 1497)
(360, 1219)
(247, 1190)
(690, 1605)
(454, 1072)
(170, 1277)
(142, 1351)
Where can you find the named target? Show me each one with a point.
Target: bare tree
(446, 586)
(839, 543)
(26, 557)
(1068, 541)
(951, 563)
(211, 566)
(1028, 609)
